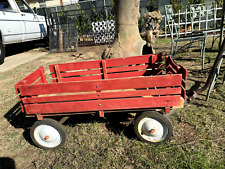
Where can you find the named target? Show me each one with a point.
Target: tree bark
(127, 41)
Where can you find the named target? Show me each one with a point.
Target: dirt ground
(18, 151)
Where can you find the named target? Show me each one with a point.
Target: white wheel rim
(47, 136)
(152, 130)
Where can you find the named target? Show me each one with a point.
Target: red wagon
(147, 85)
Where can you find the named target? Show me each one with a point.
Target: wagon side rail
(37, 77)
(146, 65)
(172, 68)
(102, 95)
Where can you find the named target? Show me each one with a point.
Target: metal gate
(63, 34)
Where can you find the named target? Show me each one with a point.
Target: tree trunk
(127, 41)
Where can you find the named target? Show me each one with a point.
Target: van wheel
(2, 53)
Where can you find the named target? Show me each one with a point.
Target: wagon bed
(140, 83)
(104, 85)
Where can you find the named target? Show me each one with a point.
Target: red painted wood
(77, 66)
(78, 73)
(105, 95)
(132, 60)
(183, 93)
(39, 81)
(127, 61)
(98, 105)
(104, 69)
(81, 78)
(58, 75)
(31, 78)
(42, 74)
(107, 84)
(171, 63)
(128, 74)
(127, 68)
(101, 113)
(171, 70)
(159, 72)
(183, 71)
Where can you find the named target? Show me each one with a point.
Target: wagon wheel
(153, 127)
(48, 134)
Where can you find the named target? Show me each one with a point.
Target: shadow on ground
(7, 163)
(119, 122)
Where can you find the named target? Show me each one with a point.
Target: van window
(23, 7)
(4, 5)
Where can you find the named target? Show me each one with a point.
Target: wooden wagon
(150, 85)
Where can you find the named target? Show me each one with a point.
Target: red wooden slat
(82, 78)
(159, 72)
(183, 92)
(171, 70)
(104, 69)
(129, 60)
(183, 84)
(77, 65)
(98, 105)
(58, 75)
(127, 74)
(42, 74)
(172, 64)
(78, 73)
(127, 68)
(39, 81)
(105, 95)
(158, 65)
(107, 84)
(31, 78)
(183, 71)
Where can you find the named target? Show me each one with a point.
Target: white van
(19, 23)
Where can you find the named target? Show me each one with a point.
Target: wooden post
(60, 40)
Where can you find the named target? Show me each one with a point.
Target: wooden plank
(127, 61)
(127, 68)
(127, 74)
(183, 71)
(42, 74)
(98, 105)
(172, 64)
(104, 69)
(105, 95)
(107, 84)
(31, 78)
(77, 66)
(58, 75)
(132, 60)
(158, 65)
(82, 78)
(171, 70)
(78, 73)
(39, 81)
(183, 93)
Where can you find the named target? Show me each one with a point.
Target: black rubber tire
(49, 122)
(163, 120)
(2, 53)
